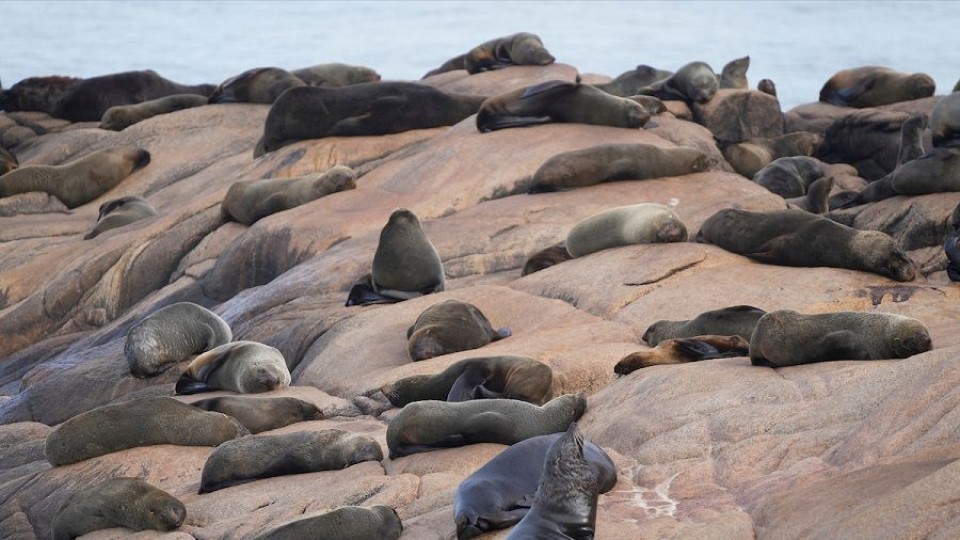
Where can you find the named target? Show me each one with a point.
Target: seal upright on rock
(258, 414)
(336, 74)
(448, 327)
(545, 258)
(118, 502)
(728, 321)
(257, 85)
(873, 86)
(695, 82)
(119, 212)
(123, 116)
(248, 201)
(344, 523)
(246, 367)
(645, 223)
(173, 334)
(683, 350)
(734, 74)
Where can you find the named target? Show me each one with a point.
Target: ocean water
(798, 45)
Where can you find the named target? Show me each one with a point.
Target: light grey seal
(645, 223)
(448, 327)
(173, 334)
(123, 116)
(873, 86)
(119, 502)
(246, 367)
(259, 414)
(344, 523)
(248, 201)
(116, 213)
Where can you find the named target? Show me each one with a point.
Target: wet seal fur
(118, 502)
(489, 377)
(257, 85)
(788, 338)
(121, 117)
(428, 425)
(448, 327)
(873, 86)
(265, 456)
(89, 99)
(335, 74)
(258, 414)
(683, 350)
(729, 321)
(629, 83)
(817, 199)
(173, 334)
(116, 213)
(135, 423)
(799, 238)
(246, 367)
(248, 201)
(79, 181)
(500, 493)
(42, 94)
(546, 258)
(645, 223)
(345, 523)
(695, 82)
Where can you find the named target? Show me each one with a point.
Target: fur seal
(42, 94)
(545, 258)
(817, 199)
(257, 85)
(500, 493)
(246, 367)
(428, 425)
(248, 201)
(490, 377)
(645, 223)
(265, 456)
(767, 87)
(335, 74)
(344, 523)
(945, 121)
(79, 181)
(88, 99)
(788, 338)
(559, 101)
(607, 162)
(135, 423)
(119, 502)
(630, 82)
(172, 334)
(937, 171)
(520, 49)
(911, 138)
(873, 86)
(728, 321)
(123, 116)
(448, 327)
(262, 414)
(695, 82)
(799, 238)
(750, 156)
(790, 177)
(119, 212)
(683, 350)
(734, 74)
(8, 161)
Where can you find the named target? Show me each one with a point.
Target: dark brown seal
(629, 83)
(520, 49)
(645, 223)
(695, 82)
(119, 212)
(336, 74)
(245, 367)
(118, 502)
(546, 258)
(257, 85)
(258, 414)
(945, 121)
(42, 94)
(448, 327)
(344, 523)
(89, 99)
(683, 350)
(248, 201)
(728, 321)
(173, 334)
(873, 86)
(734, 74)
(123, 116)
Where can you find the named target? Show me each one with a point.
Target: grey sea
(799, 45)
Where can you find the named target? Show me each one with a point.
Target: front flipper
(193, 383)
(695, 350)
(363, 294)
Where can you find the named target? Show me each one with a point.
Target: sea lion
(645, 223)
(88, 99)
(265, 456)
(937, 171)
(911, 138)
(448, 327)
(565, 505)
(695, 82)
(335, 74)
(406, 265)
(767, 87)
(799, 238)
(945, 121)
(623, 161)
(788, 338)
(520, 49)
(630, 82)
(873, 86)
(490, 377)
(790, 177)
(79, 181)
(344, 523)
(817, 199)
(375, 108)
(734, 74)
(546, 258)
(750, 156)
(8, 161)
(172, 334)
(123, 116)
(118, 502)
(500, 493)
(246, 367)
(257, 85)
(119, 212)
(428, 425)
(262, 414)
(42, 94)
(135, 423)
(559, 101)
(728, 321)
(683, 350)
(248, 201)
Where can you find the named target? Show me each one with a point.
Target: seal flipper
(695, 350)
(552, 86)
(503, 122)
(361, 124)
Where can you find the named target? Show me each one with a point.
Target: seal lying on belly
(873, 86)
(344, 523)
(118, 502)
(644, 223)
(728, 321)
(448, 327)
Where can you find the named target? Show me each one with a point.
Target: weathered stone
(737, 115)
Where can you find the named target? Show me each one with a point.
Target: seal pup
(799, 238)
(248, 201)
(448, 327)
(873, 86)
(546, 258)
(8, 161)
(645, 223)
(336, 74)
(945, 121)
(499, 494)
(119, 212)
(729, 321)
(173, 334)
(257, 85)
(520, 49)
(630, 82)
(788, 338)
(344, 523)
(683, 350)
(262, 414)
(265, 456)
(41, 94)
(489, 377)
(767, 87)
(734, 74)
(135, 423)
(123, 116)
(118, 502)
(559, 101)
(405, 265)
(428, 425)
(937, 171)
(88, 99)
(245, 367)
(79, 181)
(911, 138)
(695, 82)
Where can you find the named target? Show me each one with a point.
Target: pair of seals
(500, 493)
(262, 414)
(520, 49)
(428, 425)
(89, 99)
(79, 181)
(630, 82)
(798, 238)
(8, 161)
(134, 423)
(695, 82)
(545, 258)
(873, 86)
(248, 201)
(119, 502)
(507, 377)
(345, 523)
(788, 338)
(172, 334)
(448, 327)
(246, 367)
(559, 101)
(119, 212)
(335, 74)
(257, 85)
(728, 321)
(121, 117)
(683, 350)
(644, 223)
(265, 456)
